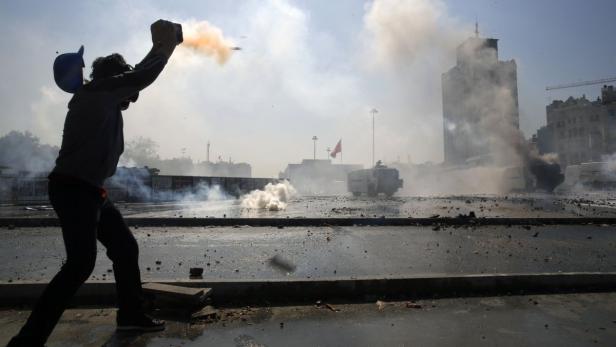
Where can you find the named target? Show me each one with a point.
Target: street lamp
(328, 150)
(314, 156)
(374, 111)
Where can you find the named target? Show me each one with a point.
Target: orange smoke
(207, 39)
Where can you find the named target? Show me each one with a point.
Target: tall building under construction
(479, 94)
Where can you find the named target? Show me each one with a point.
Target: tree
(23, 151)
(141, 150)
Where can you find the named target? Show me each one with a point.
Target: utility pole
(328, 150)
(208, 152)
(374, 111)
(314, 155)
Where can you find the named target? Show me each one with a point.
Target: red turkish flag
(337, 149)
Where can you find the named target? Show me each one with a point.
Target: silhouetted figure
(92, 143)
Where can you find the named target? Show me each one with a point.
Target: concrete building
(579, 130)
(479, 93)
(319, 176)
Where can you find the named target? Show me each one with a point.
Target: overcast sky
(307, 68)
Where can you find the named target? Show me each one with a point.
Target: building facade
(580, 130)
(479, 94)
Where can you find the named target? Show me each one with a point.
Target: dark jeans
(85, 216)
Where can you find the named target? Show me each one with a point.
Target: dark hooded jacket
(93, 137)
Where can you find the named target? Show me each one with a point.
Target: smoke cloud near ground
(274, 197)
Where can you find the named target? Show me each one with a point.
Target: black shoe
(139, 322)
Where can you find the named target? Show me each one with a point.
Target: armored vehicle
(372, 182)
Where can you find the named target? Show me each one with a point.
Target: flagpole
(373, 111)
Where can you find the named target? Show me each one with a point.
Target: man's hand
(164, 37)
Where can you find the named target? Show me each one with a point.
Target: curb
(302, 222)
(337, 289)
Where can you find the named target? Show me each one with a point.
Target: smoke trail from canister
(205, 38)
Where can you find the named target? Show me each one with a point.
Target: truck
(374, 181)
(590, 176)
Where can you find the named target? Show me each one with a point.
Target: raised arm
(164, 41)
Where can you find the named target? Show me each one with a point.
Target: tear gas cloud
(273, 197)
(136, 183)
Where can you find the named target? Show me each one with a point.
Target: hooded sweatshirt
(93, 137)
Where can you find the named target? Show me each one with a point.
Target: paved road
(527, 205)
(545, 320)
(244, 252)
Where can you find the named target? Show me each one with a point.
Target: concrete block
(167, 292)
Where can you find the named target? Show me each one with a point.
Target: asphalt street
(521, 206)
(35, 254)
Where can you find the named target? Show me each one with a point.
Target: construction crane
(581, 84)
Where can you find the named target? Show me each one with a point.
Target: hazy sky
(307, 68)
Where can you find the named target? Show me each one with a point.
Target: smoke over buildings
(480, 105)
(404, 32)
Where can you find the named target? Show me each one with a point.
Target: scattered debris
(38, 208)
(331, 308)
(196, 272)
(470, 215)
(282, 263)
(412, 304)
(320, 304)
(207, 312)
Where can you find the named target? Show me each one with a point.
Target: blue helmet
(68, 71)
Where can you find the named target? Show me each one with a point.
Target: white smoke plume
(404, 31)
(484, 116)
(274, 197)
